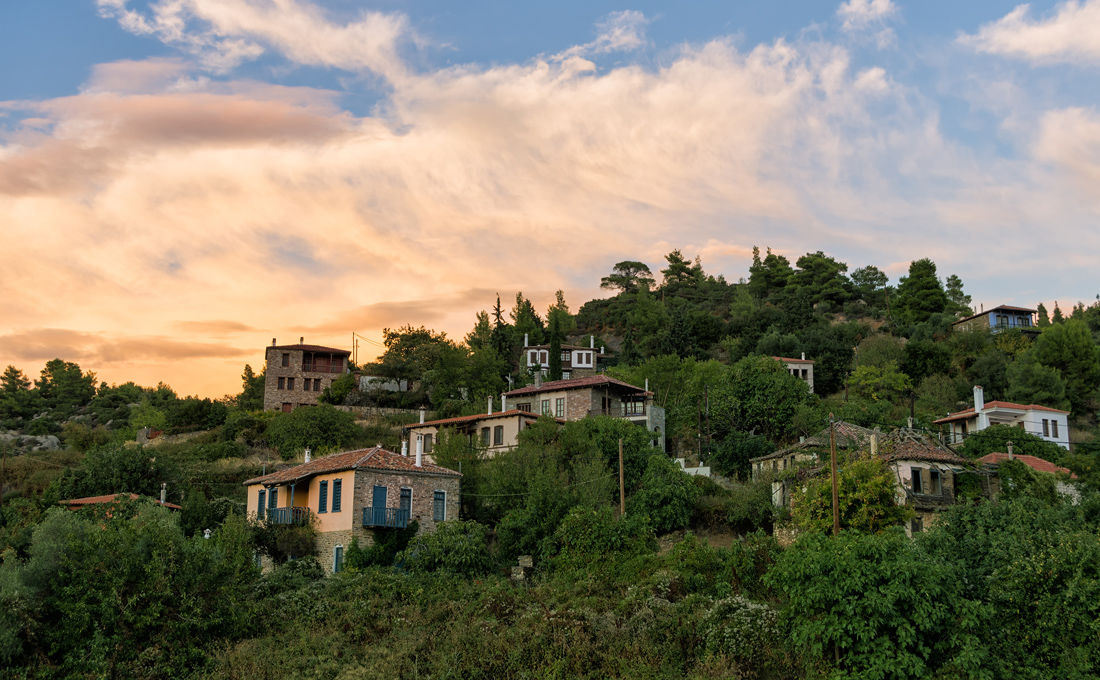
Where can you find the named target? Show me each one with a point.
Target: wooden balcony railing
(390, 518)
(621, 411)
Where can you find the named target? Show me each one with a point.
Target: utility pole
(622, 489)
(706, 396)
(832, 459)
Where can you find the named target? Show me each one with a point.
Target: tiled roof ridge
(476, 416)
(572, 383)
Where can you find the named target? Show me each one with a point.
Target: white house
(800, 368)
(1048, 423)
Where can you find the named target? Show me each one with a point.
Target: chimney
(525, 339)
(419, 450)
(538, 378)
(874, 444)
(1009, 444)
(421, 414)
(503, 403)
(909, 422)
(979, 408)
(489, 401)
(803, 356)
(647, 384)
(163, 492)
(601, 350)
(592, 342)
(308, 457)
(272, 342)
(404, 448)
(302, 340)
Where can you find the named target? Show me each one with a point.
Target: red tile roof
(574, 384)
(969, 413)
(474, 418)
(313, 348)
(111, 498)
(848, 435)
(1033, 462)
(375, 458)
(906, 444)
(789, 360)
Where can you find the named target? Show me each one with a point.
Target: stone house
(355, 495)
(491, 432)
(811, 452)
(928, 475)
(577, 361)
(1044, 422)
(296, 374)
(578, 398)
(999, 319)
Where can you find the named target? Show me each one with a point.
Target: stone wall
(275, 398)
(423, 486)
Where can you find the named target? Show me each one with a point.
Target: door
(378, 505)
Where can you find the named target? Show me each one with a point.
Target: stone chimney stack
(803, 356)
(308, 455)
(538, 378)
(419, 450)
(302, 340)
(272, 342)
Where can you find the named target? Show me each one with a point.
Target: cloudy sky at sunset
(182, 180)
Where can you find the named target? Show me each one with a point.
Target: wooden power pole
(622, 489)
(832, 462)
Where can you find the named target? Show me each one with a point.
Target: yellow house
(354, 494)
(493, 432)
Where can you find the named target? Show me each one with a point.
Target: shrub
(319, 427)
(741, 629)
(749, 507)
(387, 543)
(667, 495)
(589, 535)
(458, 546)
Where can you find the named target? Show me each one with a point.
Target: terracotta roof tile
(474, 418)
(313, 348)
(969, 412)
(789, 360)
(906, 444)
(111, 498)
(573, 384)
(1033, 462)
(375, 458)
(848, 435)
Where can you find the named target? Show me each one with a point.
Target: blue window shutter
(273, 499)
(336, 489)
(338, 559)
(322, 498)
(260, 504)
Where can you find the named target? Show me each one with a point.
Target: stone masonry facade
(423, 485)
(289, 385)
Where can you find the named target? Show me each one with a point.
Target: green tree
(1043, 316)
(1070, 348)
(920, 294)
(958, 302)
(458, 547)
(336, 392)
(995, 438)
(866, 491)
(322, 428)
(251, 397)
(627, 276)
(13, 380)
(923, 358)
(526, 321)
(681, 272)
(1030, 382)
(666, 496)
(821, 278)
(907, 607)
(769, 275)
(870, 285)
(64, 387)
(885, 383)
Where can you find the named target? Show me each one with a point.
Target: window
(336, 489)
(532, 357)
(498, 435)
(273, 499)
(917, 525)
(1054, 428)
(934, 484)
(290, 383)
(316, 384)
(1046, 427)
(484, 436)
(322, 497)
(918, 486)
(559, 407)
(282, 383)
(566, 356)
(544, 356)
(439, 506)
(260, 504)
(337, 559)
(545, 407)
(427, 443)
(286, 359)
(526, 406)
(406, 499)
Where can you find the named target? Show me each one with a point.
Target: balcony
(625, 410)
(388, 518)
(323, 366)
(295, 515)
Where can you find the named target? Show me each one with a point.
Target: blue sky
(218, 172)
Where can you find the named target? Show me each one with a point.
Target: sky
(181, 181)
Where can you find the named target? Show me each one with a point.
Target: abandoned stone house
(354, 495)
(491, 432)
(296, 374)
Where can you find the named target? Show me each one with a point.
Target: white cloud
(1070, 35)
(869, 17)
(222, 34)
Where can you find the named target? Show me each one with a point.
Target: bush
(587, 536)
(383, 552)
(458, 547)
(666, 497)
(319, 427)
(749, 507)
(741, 629)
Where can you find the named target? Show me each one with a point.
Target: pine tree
(1044, 317)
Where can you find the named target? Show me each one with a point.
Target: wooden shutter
(322, 497)
(337, 485)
